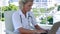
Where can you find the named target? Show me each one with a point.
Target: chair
(8, 22)
(54, 28)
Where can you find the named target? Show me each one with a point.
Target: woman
(22, 19)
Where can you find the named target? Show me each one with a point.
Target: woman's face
(27, 6)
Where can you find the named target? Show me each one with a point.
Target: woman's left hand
(45, 30)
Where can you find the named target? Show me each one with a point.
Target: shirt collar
(20, 13)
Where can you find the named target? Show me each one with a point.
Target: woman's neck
(24, 12)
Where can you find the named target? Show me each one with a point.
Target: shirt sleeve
(33, 19)
(16, 21)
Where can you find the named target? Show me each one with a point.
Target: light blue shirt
(19, 20)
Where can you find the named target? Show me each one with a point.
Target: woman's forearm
(26, 31)
(37, 27)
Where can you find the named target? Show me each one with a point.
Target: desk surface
(45, 26)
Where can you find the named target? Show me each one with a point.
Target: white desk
(45, 26)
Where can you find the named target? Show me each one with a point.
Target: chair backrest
(8, 20)
(54, 28)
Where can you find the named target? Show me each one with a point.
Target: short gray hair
(23, 2)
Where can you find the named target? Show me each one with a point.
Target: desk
(45, 26)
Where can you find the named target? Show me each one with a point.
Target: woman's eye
(30, 5)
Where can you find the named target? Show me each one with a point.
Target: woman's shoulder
(17, 12)
(31, 13)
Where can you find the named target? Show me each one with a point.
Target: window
(41, 13)
(37, 0)
(44, 0)
(13, 0)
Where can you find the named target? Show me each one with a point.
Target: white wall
(0, 2)
(4, 2)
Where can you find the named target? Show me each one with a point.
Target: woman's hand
(46, 30)
(40, 31)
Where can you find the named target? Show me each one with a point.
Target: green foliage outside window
(10, 7)
(50, 19)
(43, 21)
(43, 10)
(58, 8)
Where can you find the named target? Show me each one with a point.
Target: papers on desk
(58, 31)
(56, 17)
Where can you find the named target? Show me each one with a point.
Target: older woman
(22, 19)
